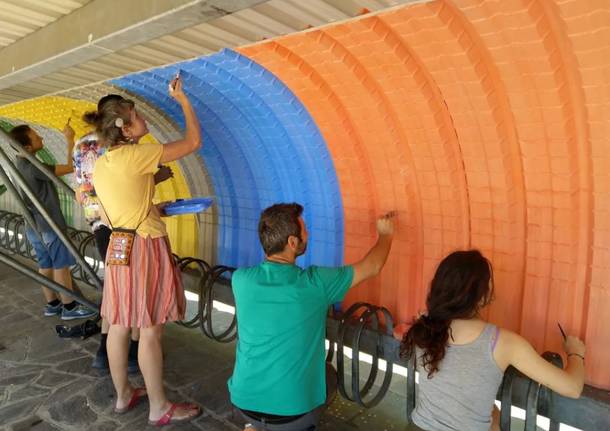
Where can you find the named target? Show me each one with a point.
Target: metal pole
(25, 270)
(32, 159)
(22, 206)
(41, 209)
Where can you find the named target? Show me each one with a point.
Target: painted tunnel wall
(48, 115)
(485, 124)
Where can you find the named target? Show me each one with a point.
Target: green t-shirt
(281, 319)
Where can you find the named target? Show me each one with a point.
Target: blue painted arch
(261, 146)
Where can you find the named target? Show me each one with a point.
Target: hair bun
(91, 117)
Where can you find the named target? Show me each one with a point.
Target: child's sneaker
(53, 310)
(78, 312)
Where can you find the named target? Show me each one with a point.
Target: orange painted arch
(486, 125)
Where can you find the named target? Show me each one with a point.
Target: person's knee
(118, 330)
(63, 276)
(151, 334)
(62, 272)
(47, 272)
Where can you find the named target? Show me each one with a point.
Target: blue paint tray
(188, 206)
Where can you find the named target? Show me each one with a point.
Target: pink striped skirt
(149, 291)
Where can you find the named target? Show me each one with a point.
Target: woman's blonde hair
(109, 119)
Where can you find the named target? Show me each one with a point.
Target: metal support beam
(10, 187)
(21, 152)
(102, 27)
(29, 272)
(21, 183)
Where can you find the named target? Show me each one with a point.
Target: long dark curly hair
(462, 285)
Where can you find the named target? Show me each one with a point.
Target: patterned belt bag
(121, 241)
(119, 248)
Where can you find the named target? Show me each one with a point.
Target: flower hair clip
(119, 122)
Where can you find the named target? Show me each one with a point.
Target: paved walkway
(46, 382)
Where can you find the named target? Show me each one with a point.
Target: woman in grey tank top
(461, 358)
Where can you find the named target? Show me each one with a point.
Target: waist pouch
(120, 246)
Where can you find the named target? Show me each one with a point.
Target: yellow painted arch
(54, 111)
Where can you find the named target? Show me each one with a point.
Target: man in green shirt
(279, 381)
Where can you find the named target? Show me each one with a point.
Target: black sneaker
(100, 362)
(132, 366)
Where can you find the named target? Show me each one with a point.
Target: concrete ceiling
(50, 46)
(20, 18)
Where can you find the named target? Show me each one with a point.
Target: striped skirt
(149, 291)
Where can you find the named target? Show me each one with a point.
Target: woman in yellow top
(147, 292)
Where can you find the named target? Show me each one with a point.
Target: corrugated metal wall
(484, 123)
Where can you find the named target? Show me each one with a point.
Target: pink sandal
(138, 394)
(168, 417)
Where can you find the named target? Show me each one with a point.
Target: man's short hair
(21, 134)
(276, 224)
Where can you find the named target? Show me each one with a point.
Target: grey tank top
(460, 395)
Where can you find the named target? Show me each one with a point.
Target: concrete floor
(46, 382)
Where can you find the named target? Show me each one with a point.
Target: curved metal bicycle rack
(207, 327)
(207, 277)
(372, 316)
(202, 269)
(538, 397)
